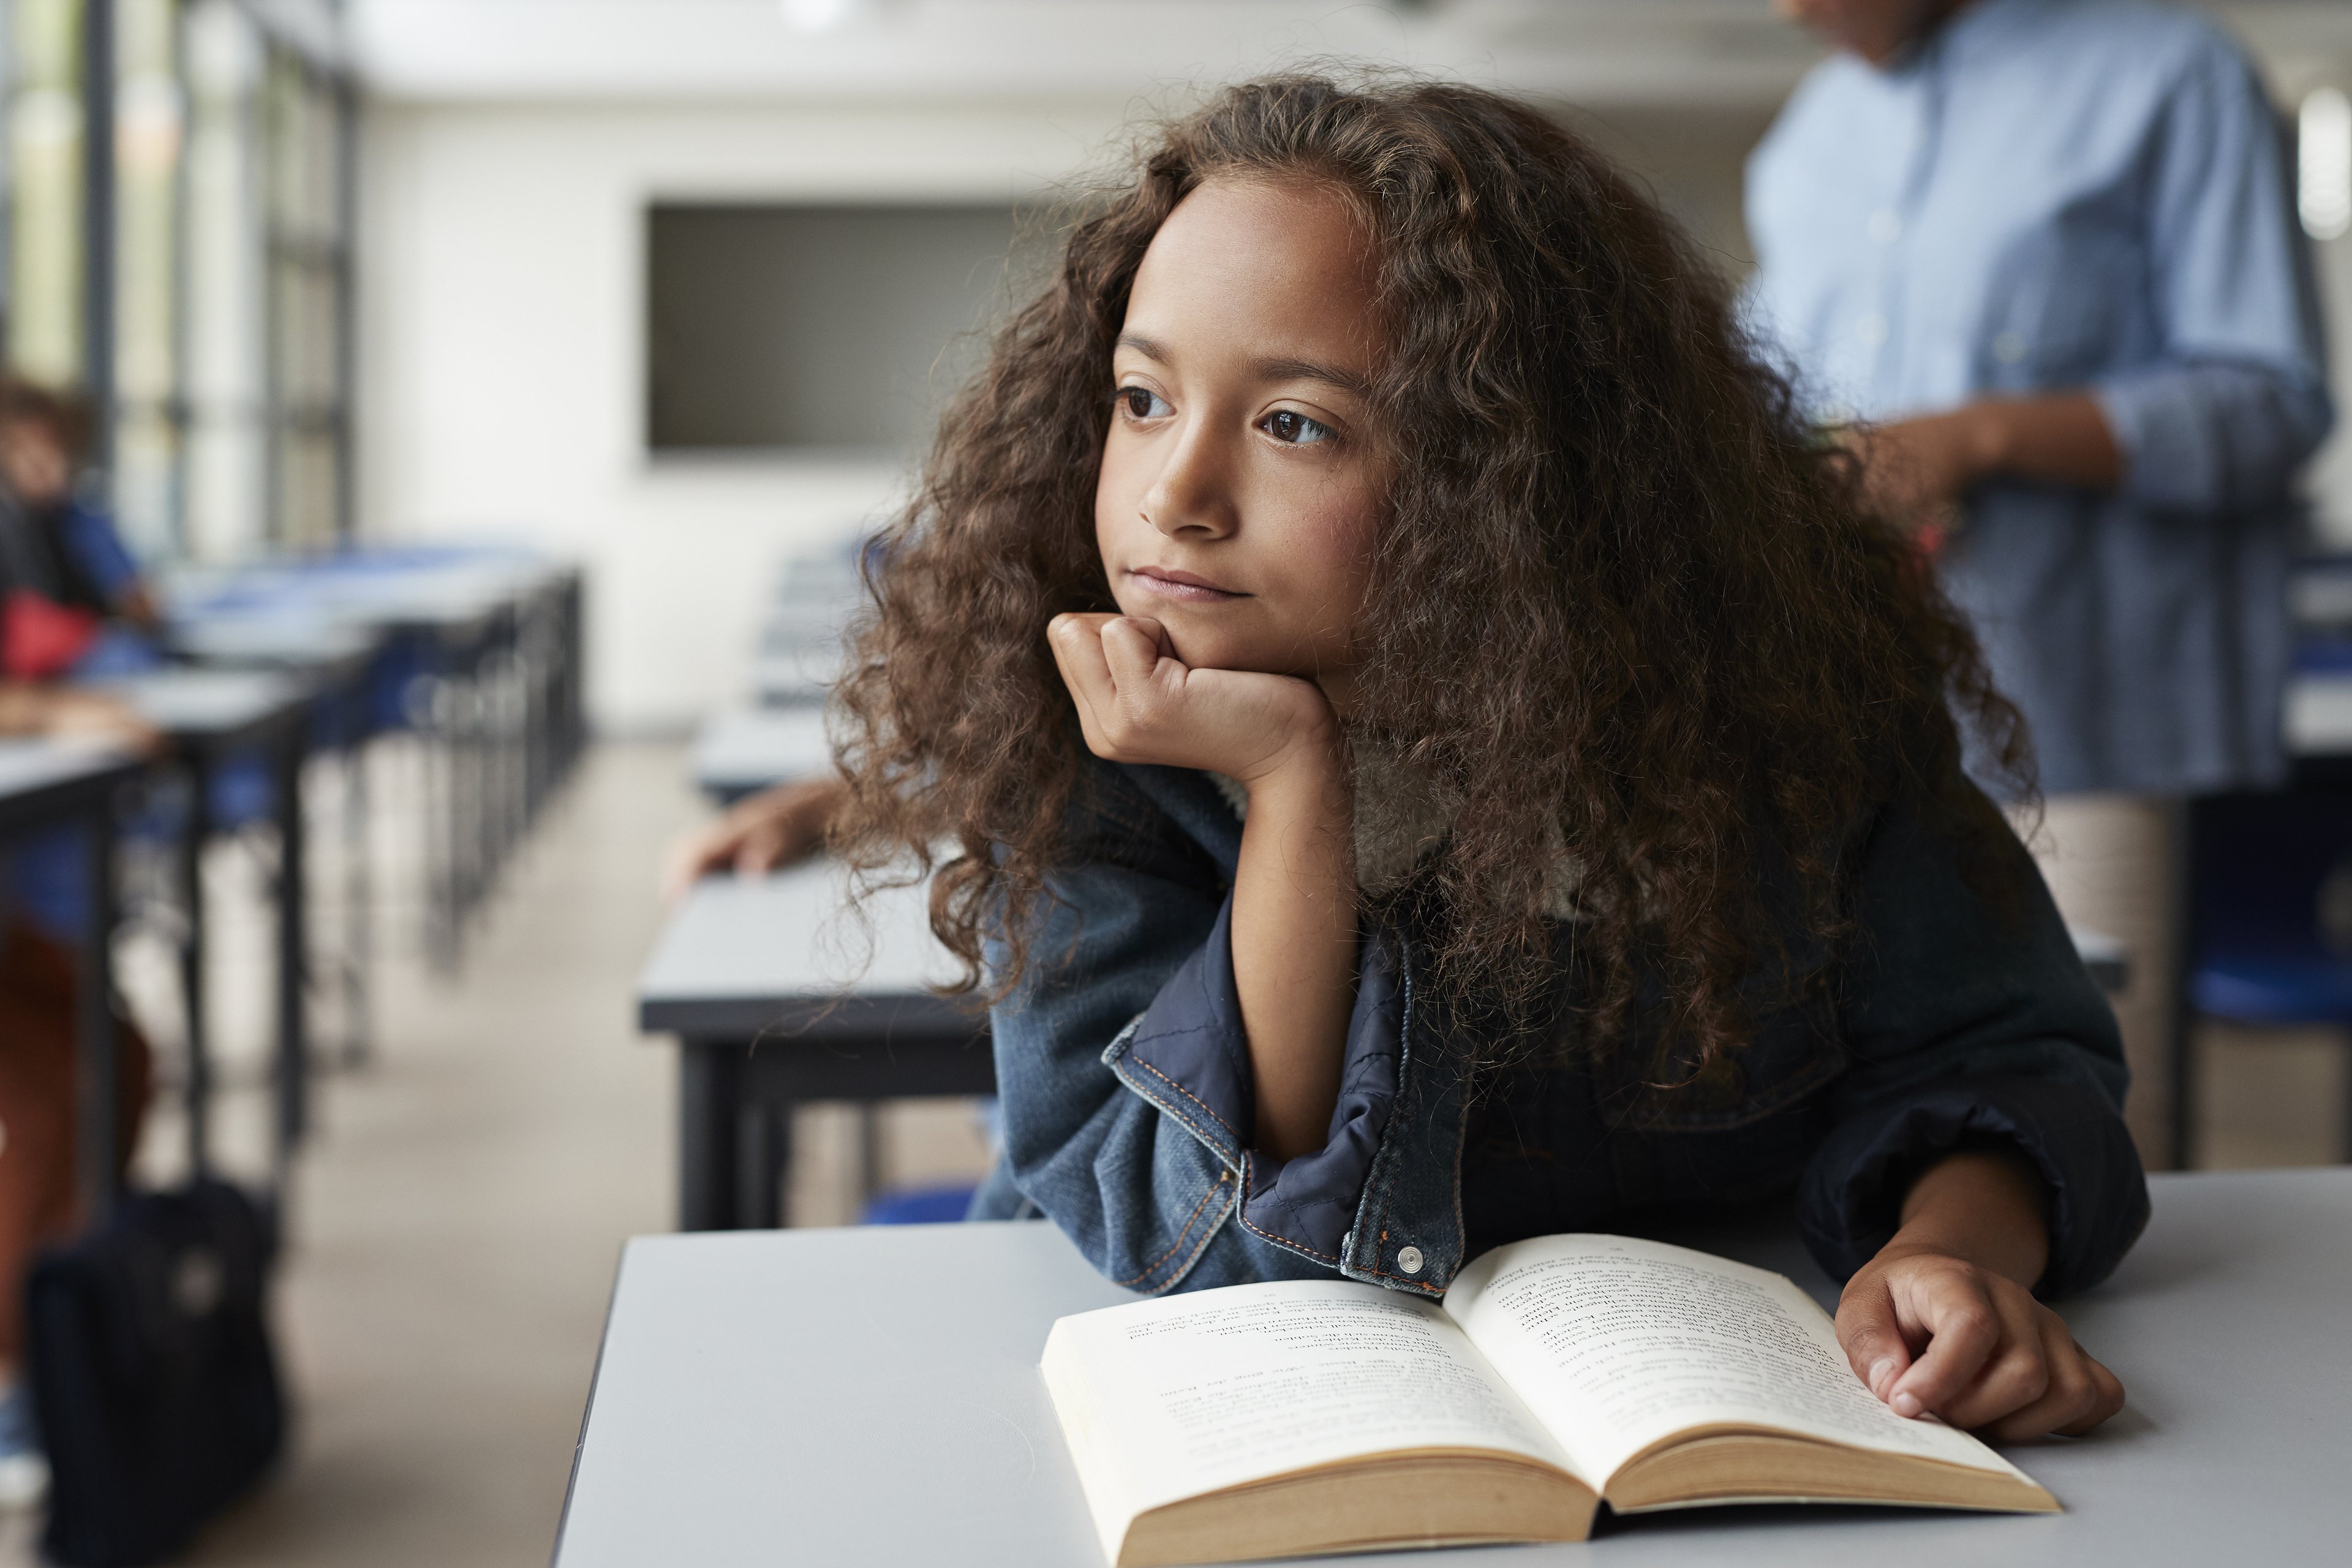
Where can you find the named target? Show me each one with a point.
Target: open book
(1324, 1415)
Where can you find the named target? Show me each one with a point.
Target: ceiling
(1724, 53)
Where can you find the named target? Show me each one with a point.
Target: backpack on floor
(152, 1377)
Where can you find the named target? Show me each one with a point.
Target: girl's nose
(1191, 495)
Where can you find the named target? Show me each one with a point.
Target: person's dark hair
(66, 416)
(1625, 600)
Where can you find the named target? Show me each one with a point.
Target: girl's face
(1239, 488)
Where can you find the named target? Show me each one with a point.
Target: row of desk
(281, 662)
(778, 999)
(479, 652)
(774, 1003)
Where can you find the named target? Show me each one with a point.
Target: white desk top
(37, 772)
(748, 749)
(2318, 713)
(272, 639)
(202, 703)
(871, 1396)
(781, 676)
(739, 955)
(367, 592)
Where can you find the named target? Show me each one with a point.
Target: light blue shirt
(2050, 194)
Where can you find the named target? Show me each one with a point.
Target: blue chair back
(2260, 868)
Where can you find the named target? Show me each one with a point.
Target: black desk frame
(281, 734)
(744, 1068)
(88, 801)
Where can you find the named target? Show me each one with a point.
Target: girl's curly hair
(1626, 602)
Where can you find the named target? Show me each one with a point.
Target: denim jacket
(1127, 1095)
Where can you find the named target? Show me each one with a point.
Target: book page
(1184, 1394)
(1615, 1343)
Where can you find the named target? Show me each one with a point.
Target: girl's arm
(1293, 921)
(1295, 940)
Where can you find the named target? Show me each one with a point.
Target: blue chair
(2270, 921)
(918, 1205)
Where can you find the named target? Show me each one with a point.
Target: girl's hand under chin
(1138, 703)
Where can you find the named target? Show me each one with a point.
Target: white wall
(501, 293)
(501, 352)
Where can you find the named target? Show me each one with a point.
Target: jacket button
(1409, 1258)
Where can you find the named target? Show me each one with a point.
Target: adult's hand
(1916, 471)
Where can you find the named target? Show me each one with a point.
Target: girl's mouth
(1184, 587)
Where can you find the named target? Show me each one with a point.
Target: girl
(1434, 754)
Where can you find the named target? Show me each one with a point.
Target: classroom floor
(464, 1201)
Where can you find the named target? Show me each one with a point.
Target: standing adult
(2046, 248)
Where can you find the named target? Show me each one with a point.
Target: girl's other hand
(1137, 702)
(773, 828)
(1944, 1320)
(1931, 1333)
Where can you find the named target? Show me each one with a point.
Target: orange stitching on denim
(1187, 1093)
(1207, 1236)
(1194, 1128)
(1190, 1220)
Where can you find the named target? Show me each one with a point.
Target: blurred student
(71, 598)
(2046, 249)
(71, 604)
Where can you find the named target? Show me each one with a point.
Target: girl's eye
(1294, 429)
(1142, 402)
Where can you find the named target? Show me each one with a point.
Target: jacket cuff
(1188, 1055)
(1853, 1189)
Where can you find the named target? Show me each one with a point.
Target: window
(224, 397)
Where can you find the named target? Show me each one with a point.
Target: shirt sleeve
(1125, 1087)
(99, 550)
(1971, 1020)
(2237, 399)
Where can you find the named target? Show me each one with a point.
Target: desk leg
(869, 1152)
(293, 956)
(359, 897)
(763, 1156)
(96, 1159)
(191, 877)
(709, 1089)
(2186, 940)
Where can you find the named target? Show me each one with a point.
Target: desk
(339, 661)
(872, 1397)
(50, 784)
(209, 716)
(2107, 959)
(791, 676)
(761, 979)
(748, 749)
(482, 648)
